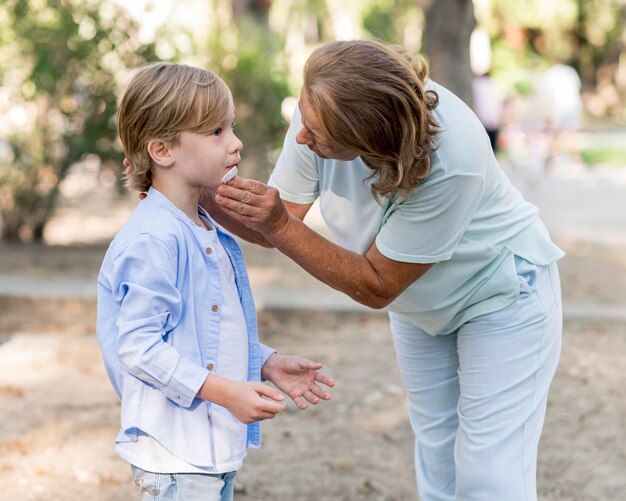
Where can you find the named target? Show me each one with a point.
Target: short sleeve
(295, 175)
(427, 226)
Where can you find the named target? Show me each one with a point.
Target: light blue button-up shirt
(159, 310)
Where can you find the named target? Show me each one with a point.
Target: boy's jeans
(477, 397)
(184, 486)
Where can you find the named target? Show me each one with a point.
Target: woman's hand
(254, 204)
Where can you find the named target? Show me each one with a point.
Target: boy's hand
(247, 401)
(251, 401)
(298, 378)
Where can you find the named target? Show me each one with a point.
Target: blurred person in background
(559, 95)
(488, 106)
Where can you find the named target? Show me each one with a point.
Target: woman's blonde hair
(161, 101)
(370, 98)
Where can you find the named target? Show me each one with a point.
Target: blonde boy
(176, 320)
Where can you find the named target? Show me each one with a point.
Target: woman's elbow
(375, 300)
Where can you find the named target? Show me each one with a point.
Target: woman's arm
(373, 279)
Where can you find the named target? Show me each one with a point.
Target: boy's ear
(160, 152)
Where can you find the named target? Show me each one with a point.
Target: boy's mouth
(232, 172)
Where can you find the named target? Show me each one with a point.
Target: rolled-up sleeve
(144, 284)
(427, 227)
(266, 351)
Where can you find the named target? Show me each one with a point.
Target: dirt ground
(59, 415)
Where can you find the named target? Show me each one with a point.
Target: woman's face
(312, 135)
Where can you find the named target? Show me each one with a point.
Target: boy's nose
(237, 145)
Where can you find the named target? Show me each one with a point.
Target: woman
(426, 224)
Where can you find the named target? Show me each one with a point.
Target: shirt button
(208, 250)
(215, 307)
(210, 367)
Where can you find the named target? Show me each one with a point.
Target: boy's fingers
(323, 378)
(320, 393)
(300, 402)
(269, 407)
(268, 415)
(311, 397)
(309, 365)
(273, 407)
(266, 391)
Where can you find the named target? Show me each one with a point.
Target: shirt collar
(156, 197)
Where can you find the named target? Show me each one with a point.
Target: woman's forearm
(232, 225)
(371, 279)
(341, 269)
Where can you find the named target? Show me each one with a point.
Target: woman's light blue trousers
(478, 396)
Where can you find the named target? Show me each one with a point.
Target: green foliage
(388, 20)
(379, 21)
(589, 35)
(258, 82)
(604, 157)
(65, 91)
(259, 85)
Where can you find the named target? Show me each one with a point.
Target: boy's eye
(233, 125)
(217, 132)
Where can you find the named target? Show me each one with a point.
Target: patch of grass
(607, 157)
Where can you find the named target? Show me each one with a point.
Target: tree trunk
(256, 9)
(449, 26)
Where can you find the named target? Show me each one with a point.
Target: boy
(176, 320)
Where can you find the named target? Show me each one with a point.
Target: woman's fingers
(249, 185)
(249, 192)
(234, 198)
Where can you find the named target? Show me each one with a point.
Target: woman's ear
(160, 152)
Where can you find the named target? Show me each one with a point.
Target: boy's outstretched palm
(298, 378)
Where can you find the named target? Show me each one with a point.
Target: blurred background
(546, 77)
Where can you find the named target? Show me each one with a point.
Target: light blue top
(159, 311)
(465, 217)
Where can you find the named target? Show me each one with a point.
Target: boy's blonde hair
(161, 101)
(371, 98)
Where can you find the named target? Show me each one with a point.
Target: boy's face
(202, 159)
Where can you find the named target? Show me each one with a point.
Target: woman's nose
(304, 138)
